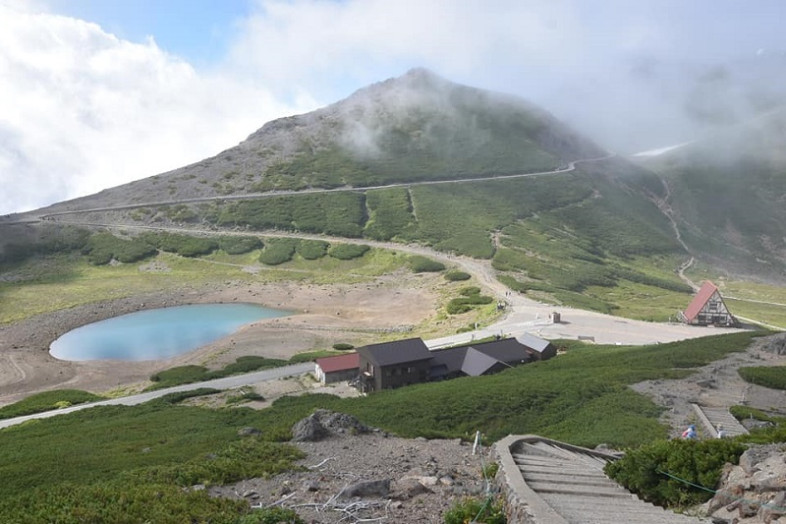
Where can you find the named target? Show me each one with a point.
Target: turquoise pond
(157, 333)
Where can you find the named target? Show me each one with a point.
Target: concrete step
(712, 417)
(570, 479)
(563, 470)
(587, 509)
(579, 489)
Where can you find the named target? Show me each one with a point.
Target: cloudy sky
(94, 93)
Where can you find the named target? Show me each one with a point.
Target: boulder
(323, 423)
(366, 488)
(309, 429)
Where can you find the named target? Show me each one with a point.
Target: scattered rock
(368, 488)
(408, 488)
(247, 431)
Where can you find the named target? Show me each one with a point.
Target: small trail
(665, 207)
(681, 272)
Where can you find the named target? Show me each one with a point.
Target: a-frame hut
(708, 308)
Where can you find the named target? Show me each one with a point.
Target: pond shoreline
(160, 333)
(321, 316)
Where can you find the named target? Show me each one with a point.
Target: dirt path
(719, 385)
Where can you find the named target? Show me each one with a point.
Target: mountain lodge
(390, 365)
(708, 309)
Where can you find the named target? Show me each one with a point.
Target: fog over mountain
(85, 105)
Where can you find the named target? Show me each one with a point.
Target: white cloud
(308, 42)
(81, 110)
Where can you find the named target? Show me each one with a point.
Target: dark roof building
(393, 364)
(708, 308)
(404, 362)
(536, 347)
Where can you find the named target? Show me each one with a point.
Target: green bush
(472, 509)
(666, 472)
(470, 297)
(457, 276)
(183, 245)
(275, 515)
(347, 251)
(46, 239)
(178, 375)
(342, 346)
(278, 250)
(390, 213)
(339, 214)
(312, 249)
(246, 364)
(101, 248)
(190, 374)
(180, 213)
(420, 264)
(170, 399)
(770, 376)
(237, 245)
(46, 401)
(119, 502)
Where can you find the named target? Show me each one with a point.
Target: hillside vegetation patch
(770, 377)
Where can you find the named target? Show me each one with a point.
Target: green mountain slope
(364, 167)
(415, 127)
(728, 194)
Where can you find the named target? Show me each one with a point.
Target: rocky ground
(357, 474)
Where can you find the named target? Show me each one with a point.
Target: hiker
(721, 432)
(690, 433)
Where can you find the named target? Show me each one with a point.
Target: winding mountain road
(571, 166)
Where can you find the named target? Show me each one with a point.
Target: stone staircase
(561, 484)
(712, 418)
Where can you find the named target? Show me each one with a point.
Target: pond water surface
(157, 333)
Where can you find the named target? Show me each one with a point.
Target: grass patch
(421, 264)
(47, 401)
(768, 376)
(190, 374)
(457, 276)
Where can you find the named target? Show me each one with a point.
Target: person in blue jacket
(690, 433)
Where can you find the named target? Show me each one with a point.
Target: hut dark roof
(396, 352)
(508, 350)
(533, 342)
(477, 363)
